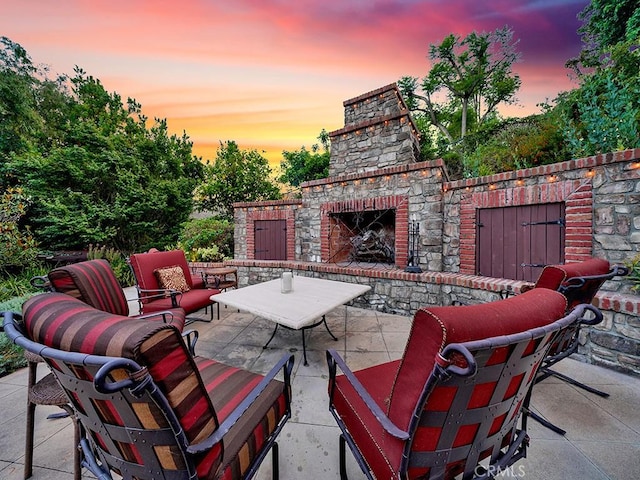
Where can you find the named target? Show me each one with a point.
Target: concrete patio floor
(602, 440)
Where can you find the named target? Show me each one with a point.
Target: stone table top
(310, 299)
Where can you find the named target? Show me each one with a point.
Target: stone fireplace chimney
(378, 133)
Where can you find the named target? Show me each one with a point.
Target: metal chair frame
(105, 382)
(449, 372)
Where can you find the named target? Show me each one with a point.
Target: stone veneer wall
(378, 133)
(602, 194)
(602, 208)
(420, 187)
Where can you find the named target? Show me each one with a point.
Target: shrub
(17, 284)
(210, 254)
(117, 261)
(17, 246)
(634, 273)
(206, 233)
(11, 356)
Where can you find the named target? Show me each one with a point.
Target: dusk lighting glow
(272, 74)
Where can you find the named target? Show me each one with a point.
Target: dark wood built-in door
(270, 239)
(517, 242)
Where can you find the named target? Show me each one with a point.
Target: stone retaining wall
(614, 343)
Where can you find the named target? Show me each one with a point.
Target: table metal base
(304, 344)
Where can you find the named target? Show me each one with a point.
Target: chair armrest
(333, 360)
(286, 364)
(161, 293)
(41, 282)
(190, 338)
(164, 314)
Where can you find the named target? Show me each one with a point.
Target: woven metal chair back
(120, 408)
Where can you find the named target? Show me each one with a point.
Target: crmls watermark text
(501, 472)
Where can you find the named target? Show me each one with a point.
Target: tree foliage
(17, 245)
(303, 165)
(236, 175)
(603, 113)
(94, 171)
(473, 74)
(606, 23)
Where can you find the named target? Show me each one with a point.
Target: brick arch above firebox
(577, 196)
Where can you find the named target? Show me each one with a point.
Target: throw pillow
(172, 278)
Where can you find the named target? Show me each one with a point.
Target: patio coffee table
(301, 309)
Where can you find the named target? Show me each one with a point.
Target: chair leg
(47, 392)
(576, 383)
(275, 462)
(28, 447)
(31, 408)
(77, 465)
(343, 459)
(546, 423)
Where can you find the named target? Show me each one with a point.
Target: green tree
(94, 171)
(469, 79)
(236, 175)
(606, 23)
(603, 114)
(303, 165)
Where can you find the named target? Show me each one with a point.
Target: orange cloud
(271, 74)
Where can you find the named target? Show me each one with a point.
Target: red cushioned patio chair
(95, 283)
(456, 398)
(147, 408)
(578, 282)
(186, 291)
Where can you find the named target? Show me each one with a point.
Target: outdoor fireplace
(365, 231)
(367, 237)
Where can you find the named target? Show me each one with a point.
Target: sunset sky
(271, 74)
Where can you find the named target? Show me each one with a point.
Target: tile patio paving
(603, 439)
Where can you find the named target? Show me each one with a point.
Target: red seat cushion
(145, 264)
(553, 276)
(397, 386)
(383, 452)
(557, 277)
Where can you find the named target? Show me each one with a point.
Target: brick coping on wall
(380, 172)
(627, 304)
(586, 162)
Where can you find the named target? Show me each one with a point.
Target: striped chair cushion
(94, 283)
(227, 387)
(62, 322)
(201, 392)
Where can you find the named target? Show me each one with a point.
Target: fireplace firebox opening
(363, 237)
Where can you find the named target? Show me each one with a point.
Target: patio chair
(578, 282)
(456, 396)
(146, 407)
(164, 281)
